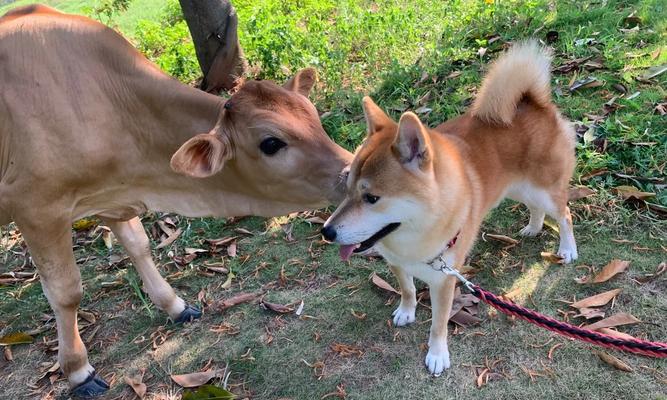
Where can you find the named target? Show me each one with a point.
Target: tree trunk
(213, 25)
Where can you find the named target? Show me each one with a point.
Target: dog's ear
(376, 119)
(412, 145)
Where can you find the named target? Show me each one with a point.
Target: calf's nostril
(329, 233)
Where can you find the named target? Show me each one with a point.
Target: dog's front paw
(529, 230)
(437, 361)
(404, 315)
(568, 254)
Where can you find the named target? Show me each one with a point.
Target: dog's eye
(369, 198)
(270, 146)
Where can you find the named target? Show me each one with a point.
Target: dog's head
(390, 187)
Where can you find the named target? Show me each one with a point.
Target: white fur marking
(532, 196)
(568, 247)
(77, 377)
(535, 224)
(437, 359)
(404, 315)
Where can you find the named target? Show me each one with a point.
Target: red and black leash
(637, 346)
(631, 345)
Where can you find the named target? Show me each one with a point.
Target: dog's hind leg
(559, 211)
(535, 223)
(132, 236)
(405, 313)
(568, 246)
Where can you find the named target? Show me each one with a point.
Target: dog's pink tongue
(346, 250)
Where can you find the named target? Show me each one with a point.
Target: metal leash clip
(446, 269)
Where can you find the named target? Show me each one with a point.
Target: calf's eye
(270, 146)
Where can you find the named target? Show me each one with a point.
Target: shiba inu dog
(418, 195)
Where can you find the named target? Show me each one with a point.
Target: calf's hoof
(93, 386)
(189, 314)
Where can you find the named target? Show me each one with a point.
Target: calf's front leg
(51, 250)
(132, 235)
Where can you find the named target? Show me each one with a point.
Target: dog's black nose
(329, 233)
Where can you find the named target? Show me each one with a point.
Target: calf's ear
(202, 156)
(302, 82)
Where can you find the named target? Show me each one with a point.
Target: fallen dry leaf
(613, 361)
(579, 192)
(107, 238)
(84, 223)
(656, 53)
(358, 315)
(231, 249)
(614, 320)
(221, 242)
(206, 392)
(597, 300)
(660, 108)
(654, 71)
(552, 258)
(169, 239)
(235, 300)
(184, 260)
(552, 349)
(191, 250)
(225, 329)
(16, 338)
(585, 83)
(243, 231)
(480, 378)
(196, 378)
(502, 238)
(299, 309)
(590, 313)
(340, 393)
(661, 269)
(137, 385)
(346, 350)
(610, 270)
(316, 220)
(382, 284)
(279, 308)
(615, 333)
(49, 371)
(464, 318)
(87, 316)
(627, 192)
(216, 269)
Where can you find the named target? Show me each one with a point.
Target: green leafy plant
(169, 45)
(107, 9)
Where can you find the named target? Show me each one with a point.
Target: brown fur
(88, 126)
(440, 182)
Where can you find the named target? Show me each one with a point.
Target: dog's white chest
(420, 270)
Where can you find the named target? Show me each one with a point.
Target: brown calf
(88, 126)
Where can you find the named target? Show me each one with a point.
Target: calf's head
(270, 142)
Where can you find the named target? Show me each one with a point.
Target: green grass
(399, 52)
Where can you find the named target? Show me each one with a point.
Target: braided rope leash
(637, 346)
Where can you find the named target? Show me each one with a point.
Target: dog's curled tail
(522, 72)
